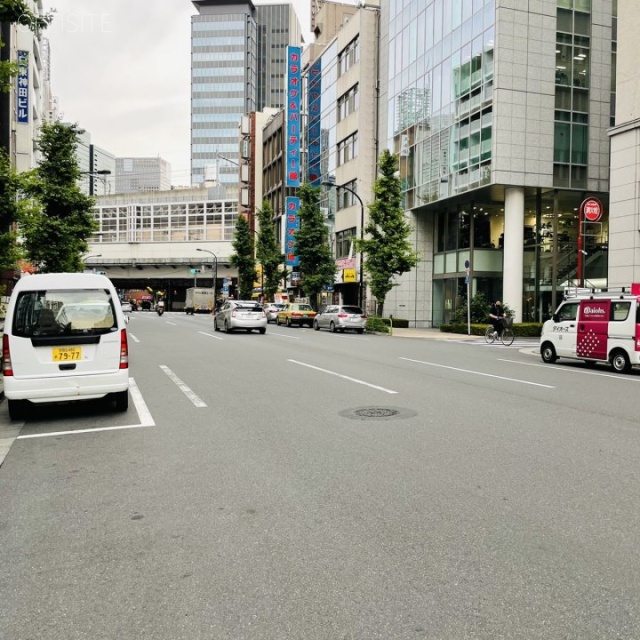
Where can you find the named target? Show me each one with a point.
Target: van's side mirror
(555, 317)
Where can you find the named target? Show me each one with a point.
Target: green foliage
(317, 266)
(57, 218)
(379, 325)
(268, 252)
(479, 310)
(387, 250)
(9, 185)
(18, 12)
(243, 258)
(523, 330)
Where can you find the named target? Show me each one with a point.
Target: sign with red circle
(592, 209)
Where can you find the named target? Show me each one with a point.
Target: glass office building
(238, 66)
(223, 84)
(499, 113)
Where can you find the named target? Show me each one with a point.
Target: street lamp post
(99, 175)
(351, 191)
(93, 255)
(215, 271)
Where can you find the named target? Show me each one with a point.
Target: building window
(344, 243)
(349, 56)
(348, 103)
(348, 149)
(344, 198)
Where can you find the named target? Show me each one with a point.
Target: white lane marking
(183, 387)
(339, 375)
(146, 420)
(479, 373)
(570, 369)
(173, 324)
(133, 337)
(284, 335)
(204, 333)
(141, 407)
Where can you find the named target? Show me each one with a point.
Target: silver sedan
(240, 314)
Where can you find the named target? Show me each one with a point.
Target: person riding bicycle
(496, 315)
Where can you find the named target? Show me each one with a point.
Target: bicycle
(507, 337)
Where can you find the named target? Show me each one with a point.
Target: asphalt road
(257, 489)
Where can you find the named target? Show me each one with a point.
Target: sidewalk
(430, 334)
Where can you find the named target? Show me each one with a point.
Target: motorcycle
(160, 310)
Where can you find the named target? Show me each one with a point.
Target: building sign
(293, 224)
(313, 134)
(346, 263)
(592, 209)
(293, 116)
(23, 87)
(349, 275)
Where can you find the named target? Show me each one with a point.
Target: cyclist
(496, 314)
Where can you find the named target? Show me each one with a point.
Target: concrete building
(499, 111)
(27, 105)
(135, 175)
(624, 216)
(341, 83)
(158, 239)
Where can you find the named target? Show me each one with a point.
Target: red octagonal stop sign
(592, 209)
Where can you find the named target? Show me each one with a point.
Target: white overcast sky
(121, 68)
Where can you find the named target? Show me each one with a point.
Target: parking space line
(339, 375)
(183, 387)
(572, 369)
(204, 333)
(479, 373)
(141, 407)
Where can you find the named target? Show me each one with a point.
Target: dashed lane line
(183, 387)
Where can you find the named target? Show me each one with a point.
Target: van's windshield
(64, 312)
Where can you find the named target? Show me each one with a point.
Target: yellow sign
(349, 275)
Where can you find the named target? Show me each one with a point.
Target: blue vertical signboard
(293, 224)
(294, 78)
(23, 87)
(315, 107)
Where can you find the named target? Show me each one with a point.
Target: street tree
(244, 258)
(9, 186)
(57, 219)
(317, 266)
(268, 252)
(18, 12)
(387, 250)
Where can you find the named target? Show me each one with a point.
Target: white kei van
(596, 326)
(65, 339)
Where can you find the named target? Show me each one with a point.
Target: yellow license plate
(67, 354)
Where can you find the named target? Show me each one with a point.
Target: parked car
(65, 339)
(296, 313)
(341, 318)
(240, 314)
(272, 309)
(127, 307)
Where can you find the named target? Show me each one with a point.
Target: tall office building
(238, 65)
(499, 112)
(142, 175)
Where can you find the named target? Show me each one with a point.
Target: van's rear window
(64, 312)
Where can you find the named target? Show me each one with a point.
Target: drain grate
(376, 412)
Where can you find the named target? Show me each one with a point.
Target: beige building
(624, 214)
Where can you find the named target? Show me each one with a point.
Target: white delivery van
(65, 339)
(596, 326)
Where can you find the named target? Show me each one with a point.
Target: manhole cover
(376, 412)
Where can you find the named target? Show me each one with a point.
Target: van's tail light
(7, 369)
(124, 350)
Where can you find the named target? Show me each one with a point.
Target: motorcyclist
(160, 307)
